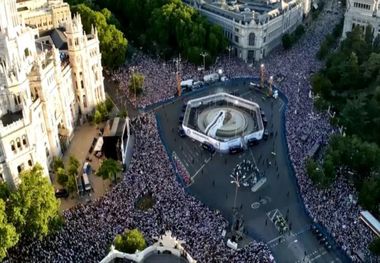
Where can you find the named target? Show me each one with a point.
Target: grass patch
(145, 202)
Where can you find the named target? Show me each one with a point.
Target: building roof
(57, 37)
(115, 127)
(11, 117)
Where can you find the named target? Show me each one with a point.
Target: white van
(86, 181)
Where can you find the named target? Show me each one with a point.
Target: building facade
(43, 14)
(362, 13)
(49, 78)
(253, 28)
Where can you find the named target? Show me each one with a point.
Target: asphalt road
(279, 196)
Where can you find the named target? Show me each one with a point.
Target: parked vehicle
(61, 193)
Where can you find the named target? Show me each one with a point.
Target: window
(251, 39)
(47, 152)
(1, 177)
(236, 39)
(20, 168)
(24, 140)
(18, 142)
(84, 101)
(30, 163)
(13, 147)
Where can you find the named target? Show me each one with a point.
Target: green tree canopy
(57, 163)
(109, 169)
(4, 191)
(33, 205)
(374, 246)
(136, 83)
(168, 27)
(113, 45)
(62, 177)
(130, 241)
(8, 235)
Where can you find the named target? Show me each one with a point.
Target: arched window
(13, 147)
(18, 141)
(251, 39)
(24, 140)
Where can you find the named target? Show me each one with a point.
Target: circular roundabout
(223, 121)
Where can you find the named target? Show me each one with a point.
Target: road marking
(200, 168)
(282, 105)
(318, 256)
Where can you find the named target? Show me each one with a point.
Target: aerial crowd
(90, 228)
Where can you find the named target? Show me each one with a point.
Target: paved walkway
(79, 147)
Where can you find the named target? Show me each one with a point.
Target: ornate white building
(254, 27)
(49, 77)
(362, 13)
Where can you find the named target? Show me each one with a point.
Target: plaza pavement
(279, 195)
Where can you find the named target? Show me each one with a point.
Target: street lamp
(204, 55)
(270, 86)
(229, 48)
(178, 77)
(262, 69)
(131, 72)
(236, 180)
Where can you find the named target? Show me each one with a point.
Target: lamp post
(178, 77)
(204, 55)
(236, 180)
(270, 91)
(229, 48)
(262, 72)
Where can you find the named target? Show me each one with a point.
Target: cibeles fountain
(223, 121)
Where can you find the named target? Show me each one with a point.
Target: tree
(4, 191)
(98, 117)
(73, 162)
(113, 45)
(109, 105)
(287, 41)
(369, 194)
(71, 184)
(62, 177)
(130, 241)
(33, 205)
(8, 234)
(300, 30)
(57, 163)
(72, 173)
(374, 246)
(109, 169)
(136, 83)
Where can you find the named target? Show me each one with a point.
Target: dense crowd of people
(90, 228)
(305, 128)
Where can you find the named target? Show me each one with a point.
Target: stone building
(255, 27)
(49, 78)
(362, 13)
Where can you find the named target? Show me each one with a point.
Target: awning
(98, 145)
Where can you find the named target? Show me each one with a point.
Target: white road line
(203, 165)
(253, 158)
(282, 105)
(318, 256)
